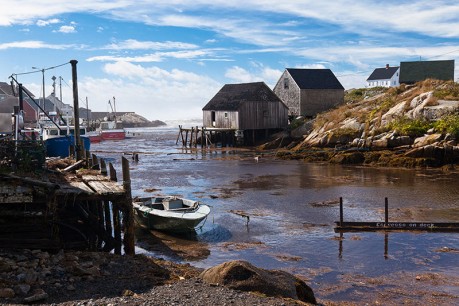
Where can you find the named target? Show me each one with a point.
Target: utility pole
(43, 81)
(78, 143)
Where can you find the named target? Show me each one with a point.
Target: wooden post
(108, 220)
(116, 228)
(112, 172)
(76, 112)
(180, 133)
(386, 212)
(128, 211)
(103, 167)
(202, 137)
(186, 138)
(386, 245)
(100, 220)
(95, 161)
(340, 211)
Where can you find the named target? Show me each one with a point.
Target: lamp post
(43, 80)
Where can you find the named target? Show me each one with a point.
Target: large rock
(427, 140)
(241, 275)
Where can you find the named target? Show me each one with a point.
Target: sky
(165, 60)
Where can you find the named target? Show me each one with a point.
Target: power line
(454, 51)
(41, 70)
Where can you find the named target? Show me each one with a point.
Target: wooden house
(412, 72)
(308, 92)
(384, 77)
(250, 108)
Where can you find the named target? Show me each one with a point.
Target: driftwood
(76, 165)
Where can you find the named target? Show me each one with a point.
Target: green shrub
(410, 127)
(296, 123)
(448, 124)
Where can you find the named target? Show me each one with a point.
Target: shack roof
(314, 78)
(231, 96)
(383, 73)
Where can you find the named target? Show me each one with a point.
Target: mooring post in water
(340, 211)
(386, 212)
(386, 245)
(128, 217)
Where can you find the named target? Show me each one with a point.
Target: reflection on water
(292, 209)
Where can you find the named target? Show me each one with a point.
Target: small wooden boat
(171, 214)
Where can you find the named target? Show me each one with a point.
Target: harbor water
(280, 214)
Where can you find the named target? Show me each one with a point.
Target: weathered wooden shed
(252, 108)
(308, 92)
(246, 106)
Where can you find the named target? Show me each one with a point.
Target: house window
(286, 83)
(226, 115)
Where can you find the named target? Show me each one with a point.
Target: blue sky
(166, 59)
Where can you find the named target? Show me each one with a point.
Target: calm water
(292, 207)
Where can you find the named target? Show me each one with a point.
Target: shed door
(212, 116)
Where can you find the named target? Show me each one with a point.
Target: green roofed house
(412, 72)
(308, 92)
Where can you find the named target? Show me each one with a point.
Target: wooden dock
(206, 137)
(67, 209)
(360, 226)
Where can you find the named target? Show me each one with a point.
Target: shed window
(226, 115)
(286, 83)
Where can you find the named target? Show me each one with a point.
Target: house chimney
(387, 66)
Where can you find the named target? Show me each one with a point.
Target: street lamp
(43, 79)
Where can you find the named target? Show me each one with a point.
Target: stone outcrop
(133, 120)
(241, 275)
(392, 120)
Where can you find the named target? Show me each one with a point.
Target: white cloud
(34, 44)
(260, 74)
(154, 57)
(132, 44)
(43, 23)
(150, 91)
(67, 29)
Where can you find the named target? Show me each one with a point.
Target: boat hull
(59, 146)
(94, 137)
(113, 135)
(168, 220)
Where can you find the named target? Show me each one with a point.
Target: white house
(384, 77)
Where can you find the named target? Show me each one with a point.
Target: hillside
(415, 125)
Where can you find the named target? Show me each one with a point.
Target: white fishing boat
(112, 128)
(171, 214)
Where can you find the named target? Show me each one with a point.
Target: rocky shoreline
(92, 278)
